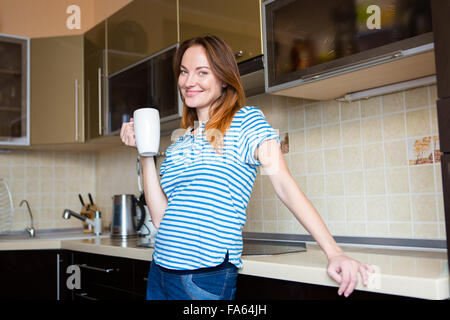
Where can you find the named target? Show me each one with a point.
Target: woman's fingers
(127, 133)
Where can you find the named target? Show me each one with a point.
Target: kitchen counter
(412, 273)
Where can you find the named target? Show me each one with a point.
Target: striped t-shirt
(208, 193)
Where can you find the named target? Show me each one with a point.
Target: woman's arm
(341, 268)
(154, 195)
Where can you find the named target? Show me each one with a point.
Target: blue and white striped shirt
(208, 193)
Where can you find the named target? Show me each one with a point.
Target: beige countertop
(412, 273)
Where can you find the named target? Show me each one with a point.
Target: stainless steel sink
(49, 234)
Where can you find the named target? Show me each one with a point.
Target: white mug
(146, 131)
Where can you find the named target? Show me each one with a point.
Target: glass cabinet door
(14, 105)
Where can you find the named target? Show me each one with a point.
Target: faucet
(97, 223)
(31, 231)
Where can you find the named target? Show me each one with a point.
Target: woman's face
(198, 85)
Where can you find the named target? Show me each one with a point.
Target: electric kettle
(125, 223)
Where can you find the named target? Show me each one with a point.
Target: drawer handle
(239, 54)
(85, 296)
(85, 266)
(145, 279)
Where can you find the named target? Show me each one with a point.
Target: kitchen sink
(49, 234)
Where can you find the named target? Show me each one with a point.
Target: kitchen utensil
(124, 222)
(146, 131)
(90, 199)
(81, 200)
(6, 207)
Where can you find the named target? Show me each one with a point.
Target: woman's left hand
(344, 271)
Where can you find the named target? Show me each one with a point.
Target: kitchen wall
(370, 167)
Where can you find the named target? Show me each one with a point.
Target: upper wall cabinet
(139, 30)
(95, 75)
(237, 22)
(324, 49)
(14, 86)
(57, 90)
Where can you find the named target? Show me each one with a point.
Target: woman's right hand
(127, 133)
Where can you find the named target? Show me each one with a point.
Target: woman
(207, 178)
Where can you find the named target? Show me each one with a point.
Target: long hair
(224, 67)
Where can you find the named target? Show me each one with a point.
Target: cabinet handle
(145, 279)
(239, 54)
(85, 296)
(100, 101)
(85, 266)
(76, 109)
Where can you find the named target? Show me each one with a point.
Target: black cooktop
(270, 247)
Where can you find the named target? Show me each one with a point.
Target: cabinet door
(14, 66)
(29, 274)
(139, 30)
(237, 22)
(95, 75)
(56, 90)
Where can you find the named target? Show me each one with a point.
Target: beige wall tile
(370, 107)
(330, 112)
(394, 127)
(400, 230)
(355, 209)
(371, 130)
(424, 208)
(316, 185)
(397, 180)
(297, 141)
(354, 183)
(375, 182)
(422, 178)
(416, 98)
(418, 123)
(336, 209)
(333, 160)
(373, 156)
(351, 133)
(296, 118)
(298, 163)
(352, 158)
(313, 114)
(334, 184)
(399, 208)
(332, 136)
(314, 138)
(314, 162)
(395, 153)
(350, 110)
(426, 230)
(392, 102)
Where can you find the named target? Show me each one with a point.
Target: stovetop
(270, 247)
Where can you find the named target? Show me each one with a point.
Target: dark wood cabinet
(34, 274)
(105, 277)
(259, 288)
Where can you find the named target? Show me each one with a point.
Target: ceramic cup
(146, 131)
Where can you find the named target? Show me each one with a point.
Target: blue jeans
(216, 283)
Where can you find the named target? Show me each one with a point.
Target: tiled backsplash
(50, 181)
(370, 167)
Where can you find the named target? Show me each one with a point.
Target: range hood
(252, 76)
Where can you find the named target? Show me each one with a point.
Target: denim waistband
(224, 265)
